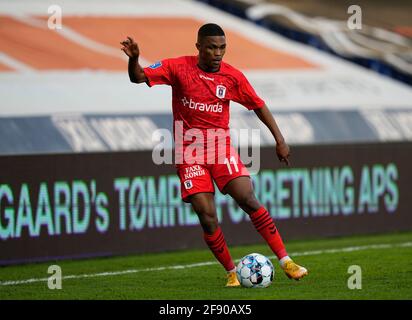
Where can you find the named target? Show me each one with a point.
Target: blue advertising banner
(103, 204)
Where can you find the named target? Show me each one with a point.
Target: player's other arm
(131, 49)
(282, 149)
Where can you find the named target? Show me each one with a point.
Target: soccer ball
(255, 271)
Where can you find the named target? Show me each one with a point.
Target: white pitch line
(207, 263)
(350, 249)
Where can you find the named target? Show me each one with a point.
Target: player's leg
(241, 190)
(204, 206)
(197, 188)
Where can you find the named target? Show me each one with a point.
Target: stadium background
(77, 179)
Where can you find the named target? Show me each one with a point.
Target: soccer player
(202, 87)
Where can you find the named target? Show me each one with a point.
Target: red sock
(264, 224)
(217, 244)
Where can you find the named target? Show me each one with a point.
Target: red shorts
(196, 178)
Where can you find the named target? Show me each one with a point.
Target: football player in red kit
(202, 87)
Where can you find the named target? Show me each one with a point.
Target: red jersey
(201, 99)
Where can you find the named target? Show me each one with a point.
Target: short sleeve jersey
(200, 100)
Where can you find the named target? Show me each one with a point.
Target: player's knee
(210, 224)
(208, 220)
(248, 202)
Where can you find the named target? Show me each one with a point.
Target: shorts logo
(188, 184)
(156, 65)
(220, 91)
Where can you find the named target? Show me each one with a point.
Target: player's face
(211, 52)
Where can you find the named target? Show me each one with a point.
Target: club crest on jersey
(156, 65)
(220, 91)
(188, 184)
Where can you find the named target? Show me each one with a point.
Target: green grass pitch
(385, 261)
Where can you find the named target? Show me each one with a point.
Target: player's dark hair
(210, 30)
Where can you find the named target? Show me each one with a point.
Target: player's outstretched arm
(282, 149)
(131, 49)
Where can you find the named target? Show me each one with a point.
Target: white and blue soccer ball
(255, 271)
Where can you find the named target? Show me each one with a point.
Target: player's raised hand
(130, 47)
(283, 152)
